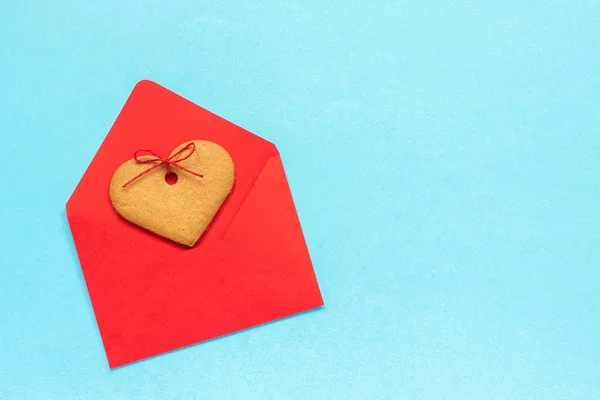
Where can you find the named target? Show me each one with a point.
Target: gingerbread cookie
(178, 205)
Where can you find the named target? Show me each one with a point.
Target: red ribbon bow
(167, 162)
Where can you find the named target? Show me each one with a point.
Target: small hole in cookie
(171, 178)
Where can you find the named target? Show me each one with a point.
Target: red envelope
(151, 295)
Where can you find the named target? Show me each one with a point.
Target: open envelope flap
(158, 119)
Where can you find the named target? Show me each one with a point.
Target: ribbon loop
(167, 162)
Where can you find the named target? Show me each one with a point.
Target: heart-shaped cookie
(181, 210)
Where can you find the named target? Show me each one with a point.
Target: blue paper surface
(444, 158)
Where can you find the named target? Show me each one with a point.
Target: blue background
(445, 161)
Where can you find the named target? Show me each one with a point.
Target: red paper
(151, 295)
